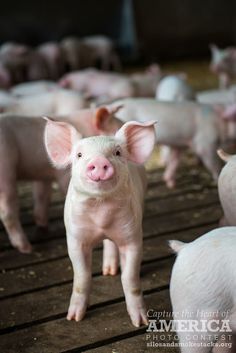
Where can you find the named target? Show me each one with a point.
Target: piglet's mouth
(99, 180)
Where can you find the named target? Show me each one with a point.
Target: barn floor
(35, 289)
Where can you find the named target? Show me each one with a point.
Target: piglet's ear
(115, 109)
(101, 118)
(139, 139)
(59, 138)
(213, 48)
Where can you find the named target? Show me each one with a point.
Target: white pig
(104, 201)
(23, 157)
(180, 125)
(95, 83)
(145, 83)
(174, 88)
(203, 289)
(102, 49)
(54, 58)
(218, 96)
(14, 58)
(77, 55)
(56, 102)
(35, 87)
(223, 63)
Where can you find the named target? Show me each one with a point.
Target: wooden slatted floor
(35, 289)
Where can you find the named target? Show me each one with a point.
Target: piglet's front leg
(130, 262)
(80, 255)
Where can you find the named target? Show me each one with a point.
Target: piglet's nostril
(100, 169)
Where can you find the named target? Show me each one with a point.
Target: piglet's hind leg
(9, 214)
(110, 258)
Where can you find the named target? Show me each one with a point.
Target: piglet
(145, 83)
(102, 49)
(54, 58)
(14, 58)
(95, 83)
(104, 201)
(77, 55)
(181, 125)
(203, 290)
(223, 63)
(34, 87)
(55, 102)
(174, 88)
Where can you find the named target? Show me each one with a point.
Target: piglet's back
(22, 145)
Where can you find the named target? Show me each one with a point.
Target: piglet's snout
(100, 169)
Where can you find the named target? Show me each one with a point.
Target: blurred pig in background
(145, 83)
(95, 83)
(53, 56)
(180, 125)
(14, 58)
(223, 63)
(59, 102)
(35, 87)
(174, 88)
(102, 50)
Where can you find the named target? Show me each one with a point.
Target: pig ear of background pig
(103, 116)
(213, 48)
(59, 138)
(113, 110)
(139, 139)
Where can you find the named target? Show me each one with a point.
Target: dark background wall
(155, 29)
(179, 28)
(37, 21)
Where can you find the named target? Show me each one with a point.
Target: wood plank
(190, 182)
(56, 208)
(158, 207)
(57, 227)
(197, 192)
(54, 301)
(184, 201)
(62, 336)
(136, 344)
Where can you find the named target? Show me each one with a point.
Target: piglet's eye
(79, 155)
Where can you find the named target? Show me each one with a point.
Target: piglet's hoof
(110, 268)
(138, 317)
(76, 312)
(25, 248)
